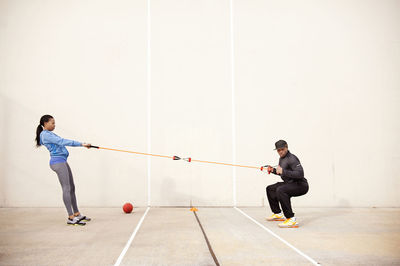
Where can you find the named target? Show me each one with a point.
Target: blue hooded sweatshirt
(56, 146)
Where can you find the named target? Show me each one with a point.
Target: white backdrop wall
(321, 74)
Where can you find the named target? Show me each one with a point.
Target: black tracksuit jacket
(292, 169)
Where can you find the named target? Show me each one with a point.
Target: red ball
(127, 208)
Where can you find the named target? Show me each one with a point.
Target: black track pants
(281, 192)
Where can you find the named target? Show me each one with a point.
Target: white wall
(84, 63)
(191, 101)
(324, 76)
(321, 74)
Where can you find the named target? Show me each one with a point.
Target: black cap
(280, 144)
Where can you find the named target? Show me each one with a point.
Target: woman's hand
(86, 145)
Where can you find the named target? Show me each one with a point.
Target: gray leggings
(67, 184)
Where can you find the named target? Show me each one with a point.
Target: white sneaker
(74, 221)
(83, 218)
(276, 217)
(289, 223)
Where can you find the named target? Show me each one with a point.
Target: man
(294, 184)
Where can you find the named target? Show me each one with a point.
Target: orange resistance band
(135, 152)
(229, 164)
(174, 158)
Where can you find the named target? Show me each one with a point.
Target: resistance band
(265, 168)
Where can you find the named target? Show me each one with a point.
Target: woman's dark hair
(39, 128)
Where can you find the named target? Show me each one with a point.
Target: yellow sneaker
(276, 217)
(289, 223)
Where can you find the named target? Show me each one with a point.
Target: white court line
(121, 256)
(278, 237)
(148, 103)
(233, 103)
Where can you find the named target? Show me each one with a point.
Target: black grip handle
(95, 147)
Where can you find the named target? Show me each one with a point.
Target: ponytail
(39, 128)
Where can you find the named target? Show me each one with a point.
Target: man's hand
(279, 170)
(269, 169)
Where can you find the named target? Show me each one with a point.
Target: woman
(58, 163)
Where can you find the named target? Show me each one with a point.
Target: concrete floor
(171, 236)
